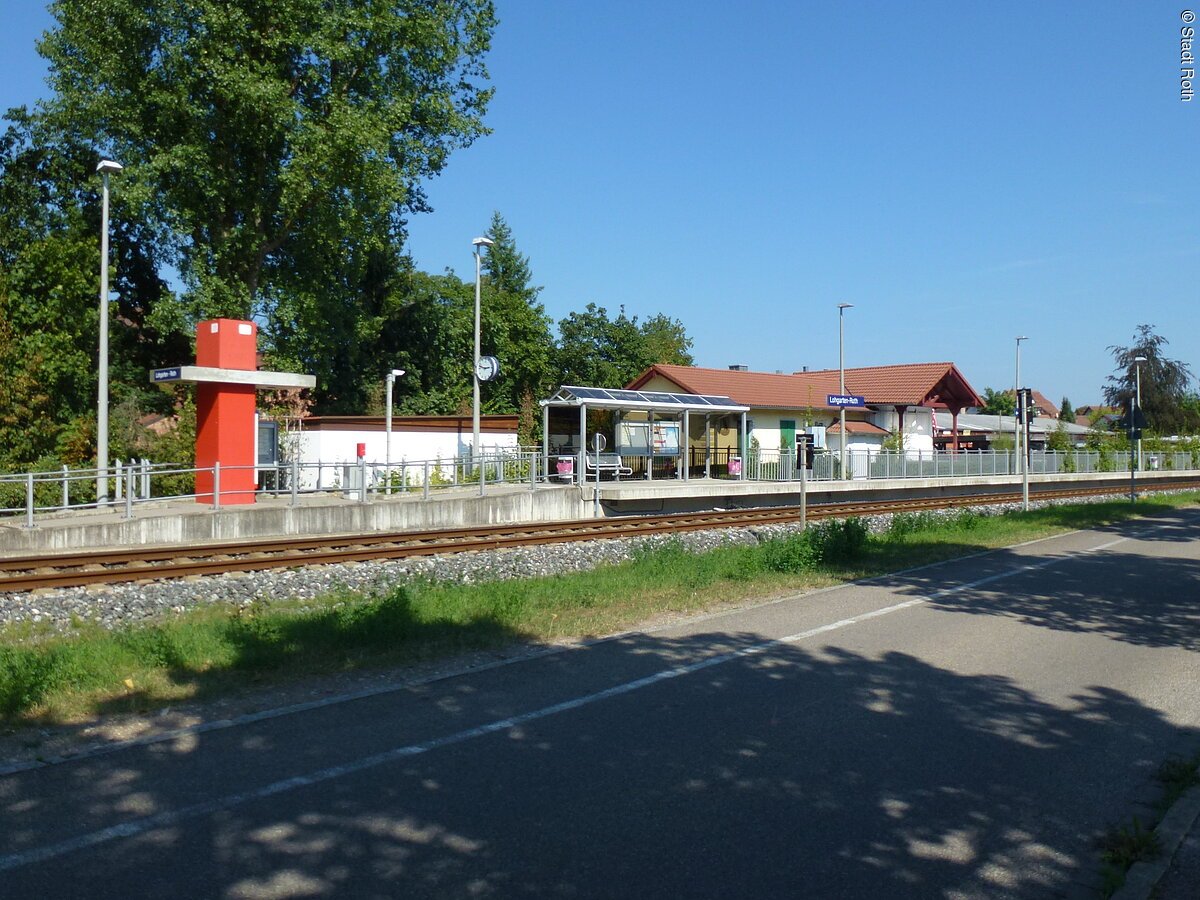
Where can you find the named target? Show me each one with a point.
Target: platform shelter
(649, 424)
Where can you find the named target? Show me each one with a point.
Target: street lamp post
(842, 307)
(479, 243)
(105, 168)
(1137, 362)
(387, 441)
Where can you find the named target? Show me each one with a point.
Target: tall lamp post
(842, 307)
(387, 441)
(479, 243)
(106, 168)
(1137, 364)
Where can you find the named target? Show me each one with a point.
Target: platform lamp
(842, 307)
(105, 168)
(387, 441)
(479, 243)
(1137, 368)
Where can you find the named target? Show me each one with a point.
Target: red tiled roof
(1041, 402)
(915, 384)
(853, 427)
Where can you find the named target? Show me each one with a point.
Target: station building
(784, 408)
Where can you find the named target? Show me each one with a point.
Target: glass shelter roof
(608, 398)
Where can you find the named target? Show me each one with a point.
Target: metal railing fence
(136, 482)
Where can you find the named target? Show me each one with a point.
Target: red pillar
(225, 412)
(954, 427)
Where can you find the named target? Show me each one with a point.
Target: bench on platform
(601, 463)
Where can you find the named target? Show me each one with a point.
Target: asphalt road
(964, 730)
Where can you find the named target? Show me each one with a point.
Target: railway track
(26, 573)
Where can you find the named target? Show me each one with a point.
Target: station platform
(159, 523)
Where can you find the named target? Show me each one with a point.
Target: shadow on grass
(244, 650)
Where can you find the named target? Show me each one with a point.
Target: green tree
(504, 266)
(998, 403)
(515, 329)
(667, 341)
(1066, 412)
(250, 129)
(596, 350)
(49, 256)
(1165, 383)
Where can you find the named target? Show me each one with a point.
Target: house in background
(1042, 405)
(784, 408)
(978, 431)
(1098, 416)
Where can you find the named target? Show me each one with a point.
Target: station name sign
(846, 400)
(171, 374)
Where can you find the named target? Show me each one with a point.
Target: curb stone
(1142, 877)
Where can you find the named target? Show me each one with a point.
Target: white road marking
(136, 827)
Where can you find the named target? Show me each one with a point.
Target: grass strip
(213, 651)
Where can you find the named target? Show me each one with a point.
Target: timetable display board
(644, 439)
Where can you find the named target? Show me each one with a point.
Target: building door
(787, 434)
(787, 446)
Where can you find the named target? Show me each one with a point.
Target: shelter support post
(582, 442)
(546, 442)
(650, 448)
(707, 446)
(743, 449)
(685, 444)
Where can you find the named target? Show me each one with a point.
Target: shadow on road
(788, 772)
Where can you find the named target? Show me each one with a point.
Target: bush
(904, 524)
(839, 540)
(794, 553)
(832, 542)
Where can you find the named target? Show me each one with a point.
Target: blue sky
(961, 172)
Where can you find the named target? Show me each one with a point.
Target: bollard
(362, 476)
(29, 500)
(129, 489)
(217, 485)
(295, 485)
(533, 458)
(425, 490)
(66, 490)
(117, 480)
(482, 475)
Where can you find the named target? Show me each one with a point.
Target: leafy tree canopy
(249, 128)
(998, 403)
(596, 350)
(1165, 383)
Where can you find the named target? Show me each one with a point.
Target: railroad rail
(26, 573)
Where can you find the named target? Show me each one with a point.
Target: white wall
(335, 449)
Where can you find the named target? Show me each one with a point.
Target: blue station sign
(171, 374)
(846, 400)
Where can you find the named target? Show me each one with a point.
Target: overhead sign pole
(1023, 400)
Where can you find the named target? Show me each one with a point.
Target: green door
(787, 434)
